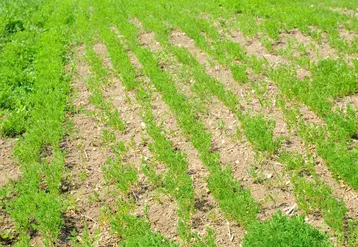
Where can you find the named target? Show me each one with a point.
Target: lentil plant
(178, 123)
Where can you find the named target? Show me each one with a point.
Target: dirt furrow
(350, 101)
(226, 119)
(340, 190)
(294, 143)
(222, 123)
(272, 188)
(213, 68)
(347, 35)
(161, 210)
(345, 11)
(254, 47)
(85, 155)
(9, 171)
(276, 193)
(246, 94)
(130, 112)
(313, 49)
(8, 167)
(207, 212)
(167, 63)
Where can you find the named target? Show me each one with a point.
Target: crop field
(204, 123)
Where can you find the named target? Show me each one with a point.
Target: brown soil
(315, 50)
(247, 97)
(162, 215)
(276, 193)
(148, 40)
(7, 229)
(272, 195)
(349, 36)
(350, 12)
(10, 172)
(205, 204)
(254, 47)
(101, 51)
(273, 190)
(351, 101)
(84, 158)
(213, 68)
(180, 76)
(309, 116)
(8, 167)
(340, 190)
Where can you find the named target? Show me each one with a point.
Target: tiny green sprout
(108, 137)
(95, 197)
(239, 134)
(256, 174)
(221, 126)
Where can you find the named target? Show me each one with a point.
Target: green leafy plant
(284, 231)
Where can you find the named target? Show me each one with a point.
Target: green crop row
(330, 79)
(272, 17)
(132, 230)
(316, 93)
(252, 131)
(176, 181)
(220, 194)
(35, 50)
(220, 180)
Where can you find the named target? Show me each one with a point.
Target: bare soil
(8, 166)
(85, 156)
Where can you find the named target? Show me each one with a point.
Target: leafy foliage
(284, 231)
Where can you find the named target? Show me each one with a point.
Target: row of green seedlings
(334, 213)
(260, 133)
(271, 18)
(133, 230)
(242, 205)
(227, 52)
(318, 95)
(35, 203)
(232, 202)
(177, 182)
(348, 76)
(336, 71)
(341, 75)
